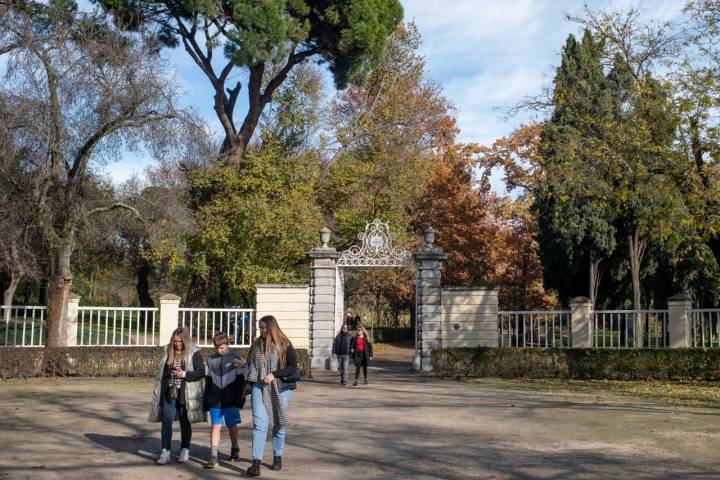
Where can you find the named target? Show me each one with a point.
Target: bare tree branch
(112, 207)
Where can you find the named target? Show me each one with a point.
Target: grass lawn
(702, 394)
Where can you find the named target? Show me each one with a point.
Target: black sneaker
(212, 463)
(355, 383)
(235, 454)
(365, 382)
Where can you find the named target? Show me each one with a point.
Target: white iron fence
(23, 326)
(616, 328)
(536, 328)
(705, 328)
(26, 326)
(237, 323)
(118, 327)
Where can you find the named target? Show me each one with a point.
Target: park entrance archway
(376, 249)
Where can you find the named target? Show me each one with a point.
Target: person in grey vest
(341, 349)
(178, 393)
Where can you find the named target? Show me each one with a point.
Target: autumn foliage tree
(490, 239)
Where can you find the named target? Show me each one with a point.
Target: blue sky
(486, 54)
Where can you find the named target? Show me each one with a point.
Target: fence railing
(705, 328)
(237, 323)
(616, 328)
(118, 326)
(536, 328)
(23, 326)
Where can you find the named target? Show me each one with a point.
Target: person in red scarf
(361, 352)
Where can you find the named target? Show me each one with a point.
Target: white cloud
(490, 54)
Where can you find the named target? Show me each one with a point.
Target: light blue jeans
(261, 422)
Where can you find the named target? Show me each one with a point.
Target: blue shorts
(231, 415)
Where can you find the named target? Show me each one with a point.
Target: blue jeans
(261, 422)
(168, 416)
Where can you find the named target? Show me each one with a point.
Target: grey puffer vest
(194, 392)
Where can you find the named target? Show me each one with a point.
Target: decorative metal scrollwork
(376, 250)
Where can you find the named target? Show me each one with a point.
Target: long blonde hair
(274, 336)
(183, 334)
(362, 330)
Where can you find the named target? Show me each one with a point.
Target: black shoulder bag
(289, 382)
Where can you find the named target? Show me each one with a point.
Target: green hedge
(391, 334)
(20, 362)
(579, 363)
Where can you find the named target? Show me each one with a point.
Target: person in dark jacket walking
(361, 352)
(224, 388)
(341, 349)
(178, 393)
(272, 369)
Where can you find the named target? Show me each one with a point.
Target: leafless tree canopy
(79, 93)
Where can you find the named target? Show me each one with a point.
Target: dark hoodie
(225, 384)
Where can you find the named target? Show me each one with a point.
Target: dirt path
(402, 425)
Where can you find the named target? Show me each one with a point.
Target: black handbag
(289, 382)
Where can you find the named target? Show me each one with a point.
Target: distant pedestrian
(361, 352)
(356, 322)
(350, 320)
(341, 348)
(272, 369)
(178, 393)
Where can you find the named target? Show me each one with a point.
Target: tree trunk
(595, 275)
(42, 294)
(197, 295)
(224, 299)
(10, 290)
(59, 285)
(143, 285)
(636, 247)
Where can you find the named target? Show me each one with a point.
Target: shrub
(19, 362)
(579, 363)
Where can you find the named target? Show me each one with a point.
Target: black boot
(234, 454)
(254, 470)
(277, 463)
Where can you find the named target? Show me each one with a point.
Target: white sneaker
(164, 457)
(184, 455)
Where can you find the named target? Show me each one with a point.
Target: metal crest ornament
(376, 250)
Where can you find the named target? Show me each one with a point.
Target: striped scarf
(257, 368)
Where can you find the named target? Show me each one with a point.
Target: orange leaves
(490, 239)
(518, 155)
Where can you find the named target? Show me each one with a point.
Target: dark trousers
(343, 364)
(362, 364)
(169, 408)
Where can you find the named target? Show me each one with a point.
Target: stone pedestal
(322, 305)
(581, 315)
(679, 321)
(68, 329)
(169, 311)
(428, 304)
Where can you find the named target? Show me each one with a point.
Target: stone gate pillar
(323, 266)
(428, 304)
